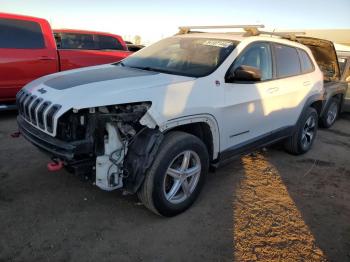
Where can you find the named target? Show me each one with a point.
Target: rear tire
(304, 136)
(331, 113)
(176, 176)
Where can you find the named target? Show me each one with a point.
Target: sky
(153, 20)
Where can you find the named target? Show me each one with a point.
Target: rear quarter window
(287, 61)
(20, 34)
(307, 65)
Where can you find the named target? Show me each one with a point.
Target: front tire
(304, 136)
(176, 176)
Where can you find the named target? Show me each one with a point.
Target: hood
(53, 95)
(325, 56)
(101, 85)
(95, 75)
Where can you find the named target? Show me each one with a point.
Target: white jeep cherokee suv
(154, 123)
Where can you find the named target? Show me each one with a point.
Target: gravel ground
(267, 206)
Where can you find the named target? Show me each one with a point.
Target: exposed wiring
(122, 154)
(116, 162)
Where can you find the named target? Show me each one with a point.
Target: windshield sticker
(217, 43)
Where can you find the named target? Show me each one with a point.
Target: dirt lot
(269, 206)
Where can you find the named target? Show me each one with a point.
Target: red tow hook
(55, 165)
(15, 134)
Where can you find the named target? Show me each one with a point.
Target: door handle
(272, 90)
(46, 58)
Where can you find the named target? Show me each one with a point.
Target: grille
(49, 117)
(33, 110)
(41, 112)
(27, 104)
(36, 110)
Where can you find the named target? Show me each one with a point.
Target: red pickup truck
(28, 51)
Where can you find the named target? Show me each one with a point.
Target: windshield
(195, 57)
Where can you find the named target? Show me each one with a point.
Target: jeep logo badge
(42, 90)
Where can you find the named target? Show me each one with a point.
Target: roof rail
(287, 35)
(250, 30)
(187, 29)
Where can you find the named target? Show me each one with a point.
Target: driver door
(246, 118)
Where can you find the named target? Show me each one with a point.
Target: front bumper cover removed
(52, 145)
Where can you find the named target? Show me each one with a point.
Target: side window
(287, 61)
(306, 64)
(108, 42)
(20, 34)
(78, 41)
(257, 55)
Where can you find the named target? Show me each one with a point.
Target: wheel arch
(315, 101)
(205, 127)
(340, 97)
(318, 104)
(338, 94)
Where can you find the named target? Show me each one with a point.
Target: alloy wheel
(308, 131)
(332, 113)
(182, 177)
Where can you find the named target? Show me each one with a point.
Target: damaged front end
(107, 144)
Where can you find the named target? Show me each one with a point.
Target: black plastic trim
(261, 141)
(53, 145)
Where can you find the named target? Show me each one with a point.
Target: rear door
(80, 50)
(25, 55)
(292, 85)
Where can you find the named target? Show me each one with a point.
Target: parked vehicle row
(153, 123)
(28, 51)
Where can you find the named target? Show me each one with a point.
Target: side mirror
(244, 74)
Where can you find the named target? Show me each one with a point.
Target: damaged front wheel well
(200, 130)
